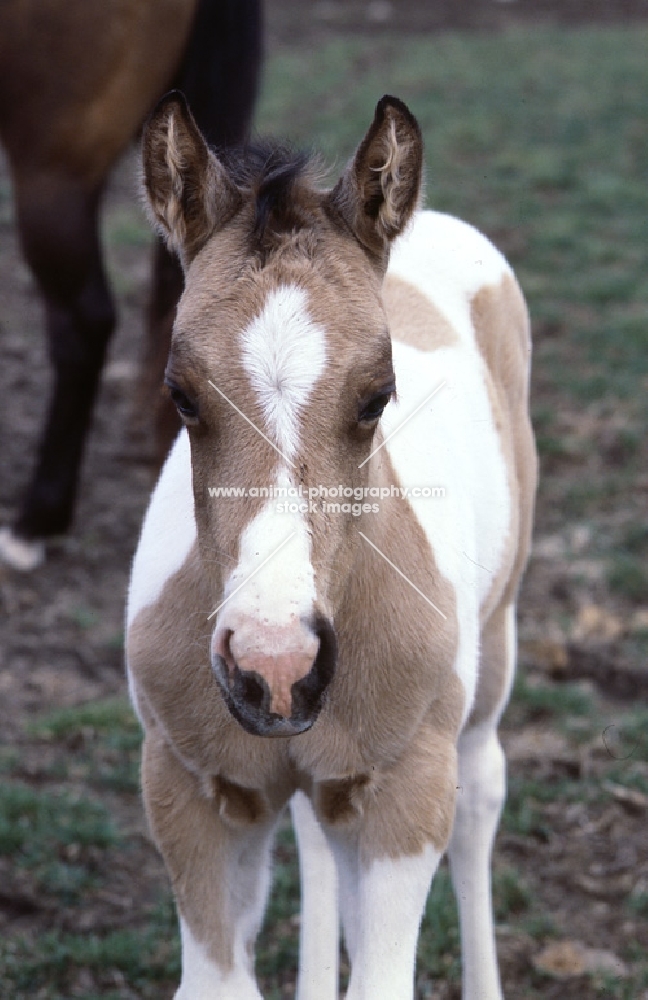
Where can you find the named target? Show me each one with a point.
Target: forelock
(283, 186)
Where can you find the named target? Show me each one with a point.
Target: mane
(282, 182)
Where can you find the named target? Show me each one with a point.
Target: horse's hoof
(20, 553)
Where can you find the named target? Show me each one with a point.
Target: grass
(37, 825)
(51, 836)
(627, 576)
(544, 702)
(65, 850)
(127, 229)
(121, 958)
(105, 738)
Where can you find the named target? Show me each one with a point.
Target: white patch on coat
(202, 978)
(449, 261)
(168, 531)
(319, 932)
(482, 787)
(384, 906)
(511, 658)
(452, 442)
(284, 353)
(283, 591)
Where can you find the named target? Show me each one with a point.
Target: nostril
(308, 693)
(251, 690)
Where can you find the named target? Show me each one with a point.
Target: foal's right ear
(188, 190)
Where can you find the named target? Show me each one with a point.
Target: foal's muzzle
(249, 696)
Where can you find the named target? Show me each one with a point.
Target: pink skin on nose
(281, 656)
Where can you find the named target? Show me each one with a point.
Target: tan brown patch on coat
(340, 801)
(167, 648)
(238, 806)
(413, 318)
(399, 809)
(501, 324)
(200, 848)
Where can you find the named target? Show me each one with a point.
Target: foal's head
(280, 368)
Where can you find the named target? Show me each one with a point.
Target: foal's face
(283, 375)
(280, 368)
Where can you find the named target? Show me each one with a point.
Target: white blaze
(284, 353)
(282, 591)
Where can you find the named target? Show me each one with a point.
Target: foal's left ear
(189, 192)
(381, 187)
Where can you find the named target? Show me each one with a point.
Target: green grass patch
(626, 742)
(102, 737)
(9, 759)
(541, 701)
(633, 732)
(539, 925)
(106, 716)
(126, 228)
(638, 904)
(635, 538)
(627, 576)
(511, 895)
(525, 811)
(60, 965)
(49, 836)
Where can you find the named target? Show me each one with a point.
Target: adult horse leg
(59, 232)
(219, 76)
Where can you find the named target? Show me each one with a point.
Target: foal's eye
(185, 407)
(374, 408)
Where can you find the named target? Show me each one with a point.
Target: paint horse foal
(378, 648)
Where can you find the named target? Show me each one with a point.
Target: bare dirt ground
(61, 628)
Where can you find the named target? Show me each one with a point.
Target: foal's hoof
(20, 553)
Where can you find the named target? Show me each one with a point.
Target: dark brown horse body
(77, 79)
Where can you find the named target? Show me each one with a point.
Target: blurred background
(535, 118)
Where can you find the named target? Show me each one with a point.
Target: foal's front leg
(388, 840)
(215, 838)
(382, 907)
(319, 933)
